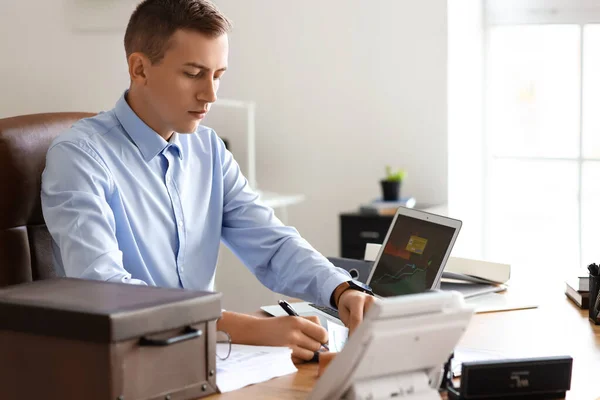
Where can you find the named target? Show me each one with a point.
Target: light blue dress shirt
(124, 205)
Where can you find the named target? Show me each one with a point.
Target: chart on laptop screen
(411, 257)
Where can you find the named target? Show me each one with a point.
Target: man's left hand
(352, 305)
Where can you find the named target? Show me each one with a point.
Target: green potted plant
(390, 186)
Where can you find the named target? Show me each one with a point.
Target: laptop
(410, 260)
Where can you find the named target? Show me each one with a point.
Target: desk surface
(556, 328)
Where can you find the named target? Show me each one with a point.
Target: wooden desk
(555, 328)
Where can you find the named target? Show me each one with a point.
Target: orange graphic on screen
(392, 250)
(416, 244)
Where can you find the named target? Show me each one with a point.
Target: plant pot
(390, 190)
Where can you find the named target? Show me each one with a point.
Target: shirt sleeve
(276, 254)
(76, 187)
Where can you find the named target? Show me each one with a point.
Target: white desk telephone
(398, 351)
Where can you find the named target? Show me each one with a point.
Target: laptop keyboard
(326, 310)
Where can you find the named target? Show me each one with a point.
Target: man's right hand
(304, 335)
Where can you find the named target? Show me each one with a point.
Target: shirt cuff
(337, 278)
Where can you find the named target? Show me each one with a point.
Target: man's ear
(139, 67)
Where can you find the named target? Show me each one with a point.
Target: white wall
(465, 123)
(47, 66)
(342, 88)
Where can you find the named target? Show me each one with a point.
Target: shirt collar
(175, 142)
(145, 138)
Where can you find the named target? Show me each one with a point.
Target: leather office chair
(25, 243)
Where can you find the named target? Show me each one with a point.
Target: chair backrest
(25, 244)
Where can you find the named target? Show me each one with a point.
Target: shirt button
(168, 179)
(181, 224)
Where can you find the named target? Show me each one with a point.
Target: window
(542, 135)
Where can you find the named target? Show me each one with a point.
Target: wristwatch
(349, 285)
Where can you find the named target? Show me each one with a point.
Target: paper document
(465, 354)
(247, 365)
(492, 302)
(338, 335)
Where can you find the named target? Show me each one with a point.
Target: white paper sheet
(465, 354)
(338, 335)
(247, 365)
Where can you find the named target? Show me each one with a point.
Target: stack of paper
(247, 365)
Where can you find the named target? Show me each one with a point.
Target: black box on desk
(539, 378)
(76, 339)
(356, 230)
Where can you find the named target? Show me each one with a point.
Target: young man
(144, 194)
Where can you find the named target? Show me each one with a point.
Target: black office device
(525, 378)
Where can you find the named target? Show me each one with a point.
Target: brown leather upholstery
(25, 244)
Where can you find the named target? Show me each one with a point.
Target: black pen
(287, 307)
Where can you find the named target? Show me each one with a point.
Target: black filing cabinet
(356, 230)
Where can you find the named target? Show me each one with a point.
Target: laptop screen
(411, 258)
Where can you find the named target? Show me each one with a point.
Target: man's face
(181, 87)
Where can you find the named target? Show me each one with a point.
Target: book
(582, 282)
(382, 207)
(579, 297)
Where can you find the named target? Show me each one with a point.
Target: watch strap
(342, 287)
